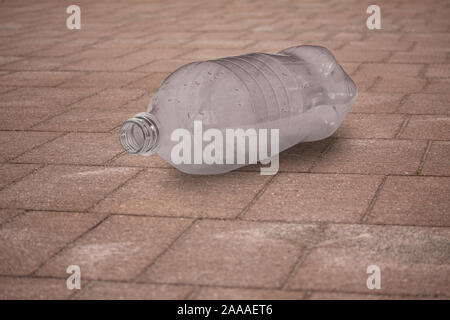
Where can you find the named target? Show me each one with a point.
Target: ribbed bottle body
(302, 92)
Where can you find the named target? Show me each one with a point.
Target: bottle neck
(140, 134)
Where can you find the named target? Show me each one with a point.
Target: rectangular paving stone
(13, 172)
(132, 291)
(16, 142)
(75, 148)
(364, 82)
(437, 161)
(427, 127)
(64, 187)
(391, 69)
(380, 43)
(167, 192)
(149, 83)
(49, 97)
(206, 54)
(102, 80)
(12, 288)
(412, 260)
(17, 118)
(427, 104)
(109, 99)
(372, 157)
(437, 86)
(438, 70)
(218, 44)
(105, 65)
(361, 296)
(163, 65)
(218, 253)
(8, 214)
(37, 78)
(32, 238)
(301, 157)
(370, 126)
(132, 160)
(217, 293)
(399, 84)
(87, 119)
(351, 55)
(40, 63)
(315, 197)
(369, 102)
(118, 249)
(413, 201)
(418, 57)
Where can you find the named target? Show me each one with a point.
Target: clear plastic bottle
(302, 91)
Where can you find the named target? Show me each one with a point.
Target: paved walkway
(376, 193)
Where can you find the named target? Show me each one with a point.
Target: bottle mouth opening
(139, 135)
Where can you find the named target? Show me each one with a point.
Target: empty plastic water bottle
(301, 91)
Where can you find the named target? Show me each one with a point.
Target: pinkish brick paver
(106, 252)
(31, 239)
(64, 187)
(75, 148)
(102, 80)
(438, 71)
(218, 252)
(437, 86)
(361, 296)
(437, 159)
(37, 79)
(12, 172)
(370, 126)
(412, 260)
(396, 84)
(87, 119)
(301, 157)
(413, 201)
(12, 288)
(427, 104)
(212, 293)
(324, 197)
(58, 98)
(370, 156)
(7, 214)
(132, 160)
(368, 102)
(427, 127)
(172, 193)
(132, 291)
(15, 143)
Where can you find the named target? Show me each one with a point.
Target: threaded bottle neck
(140, 134)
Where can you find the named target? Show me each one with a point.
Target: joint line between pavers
(67, 246)
(322, 154)
(40, 166)
(306, 250)
(256, 197)
(68, 109)
(375, 82)
(36, 146)
(193, 293)
(424, 157)
(164, 252)
(402, 127)
(86, 285)
(373, 201)
(115, 189)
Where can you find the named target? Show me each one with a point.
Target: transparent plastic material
(302, 91)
